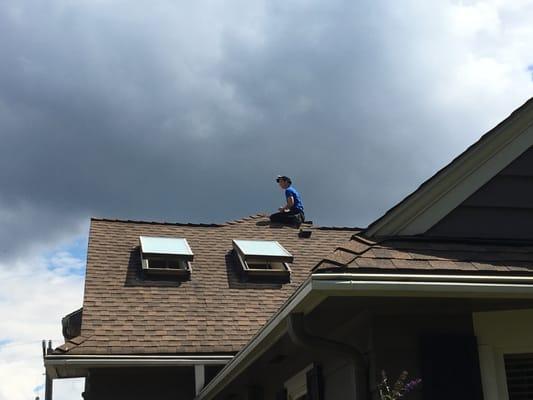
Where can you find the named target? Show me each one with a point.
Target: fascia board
(109, 362)
(450, 187)
(69, 363)
(125, 360)
(362, 288)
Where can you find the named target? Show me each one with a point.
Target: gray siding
(501, 209)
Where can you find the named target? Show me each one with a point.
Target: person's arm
(289, 205)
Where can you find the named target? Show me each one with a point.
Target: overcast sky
(186, 111)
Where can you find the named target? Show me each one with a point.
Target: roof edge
(430, 193)
(132, 221)
(219, 225)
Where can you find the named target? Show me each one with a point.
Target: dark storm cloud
(187, 112)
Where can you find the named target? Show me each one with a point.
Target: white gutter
(425, 278)
(95, 361)
(376, 285)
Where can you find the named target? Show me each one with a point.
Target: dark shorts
(294, 217)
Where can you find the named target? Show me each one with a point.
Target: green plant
(399, 389)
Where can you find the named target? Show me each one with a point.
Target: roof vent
(305, 233)
(166, 256)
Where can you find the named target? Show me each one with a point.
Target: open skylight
(263, 258)
(163, 255)
(163, 245)
(262, 249)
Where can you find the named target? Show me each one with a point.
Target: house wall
(266, 384)
(156, 383)
(502, 208)
(439, 348)
(433, 339)
(265, 379)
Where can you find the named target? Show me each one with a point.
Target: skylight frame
(150, 247)
(283, 258)
(159, 248)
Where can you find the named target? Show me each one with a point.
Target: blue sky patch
(69, 258)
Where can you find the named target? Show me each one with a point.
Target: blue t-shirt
(291, 192)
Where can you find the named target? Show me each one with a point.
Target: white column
(199, 377)
(489, 377)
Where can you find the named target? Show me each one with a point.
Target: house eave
(70, 366)
(321, 286)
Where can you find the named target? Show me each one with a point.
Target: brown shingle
(214, 311)
(438, 255)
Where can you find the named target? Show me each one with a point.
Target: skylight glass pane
(261, 248)
(160, 245)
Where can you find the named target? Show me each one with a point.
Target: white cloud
(113, 118)
(34, 295)
(476, 18)
(62, 262)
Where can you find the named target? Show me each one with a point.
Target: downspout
(300, 337)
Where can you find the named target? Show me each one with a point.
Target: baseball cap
(284, 178)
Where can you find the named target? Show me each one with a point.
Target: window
(519, 373)
(165, 256)
(305, 385)
(263, 258)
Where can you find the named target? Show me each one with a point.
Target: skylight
(262, 249)
(166, 256)
(164, 245)
(263, 258)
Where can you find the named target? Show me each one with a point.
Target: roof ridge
(245, 219)
(338, 228)
(132, 221)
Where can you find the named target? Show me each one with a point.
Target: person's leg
(290, 217)
(295, 217)
(284, 218)
(278, 217)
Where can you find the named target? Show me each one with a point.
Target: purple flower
(411, 385)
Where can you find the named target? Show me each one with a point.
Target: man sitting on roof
(293, 211)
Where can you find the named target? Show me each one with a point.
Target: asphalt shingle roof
(423, 255)
(213, 312)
